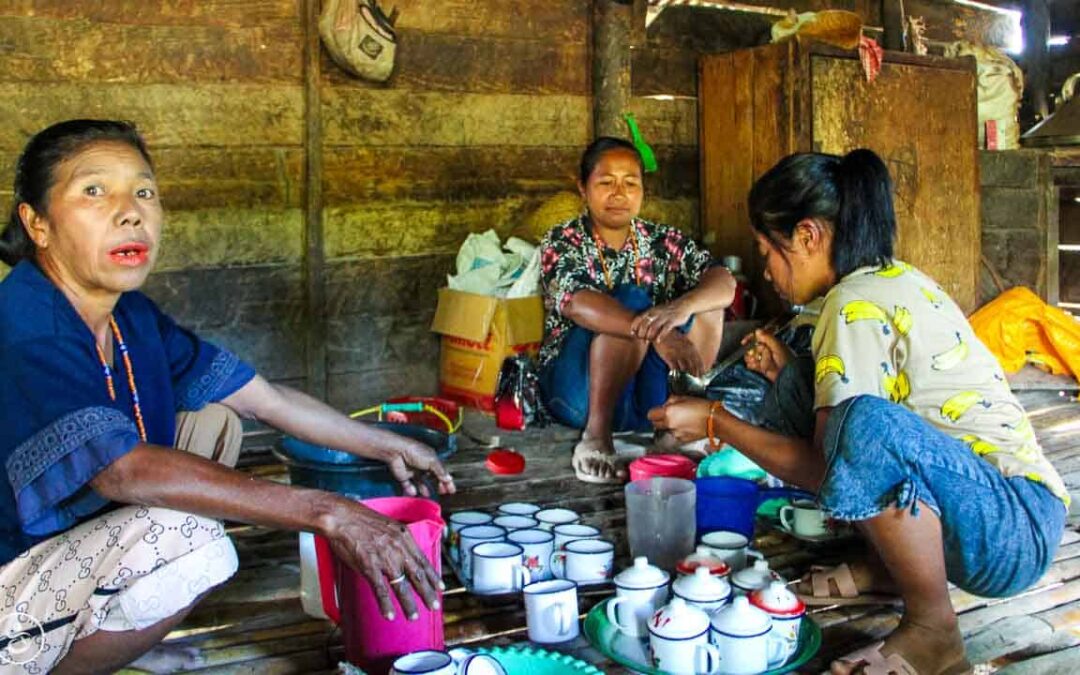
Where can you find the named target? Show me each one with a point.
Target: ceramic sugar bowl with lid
(679, 640)
(702, 590)
(640, 590)
(785, 609)
(745, 582)
(742, 635)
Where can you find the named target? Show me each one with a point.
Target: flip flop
(876, 663)
(588, 450)
(844, 581)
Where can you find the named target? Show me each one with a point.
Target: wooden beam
(1036, 23)
(314, 262)
(892, 16)
(612, 27)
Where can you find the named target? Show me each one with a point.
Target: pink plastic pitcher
(371, 641)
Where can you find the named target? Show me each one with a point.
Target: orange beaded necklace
(603, 263)
(130, 376)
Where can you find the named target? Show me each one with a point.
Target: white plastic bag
(1000, 87)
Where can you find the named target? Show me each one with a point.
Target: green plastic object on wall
(648, 158)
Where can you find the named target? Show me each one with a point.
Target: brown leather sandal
(875, 663)
(824, 579)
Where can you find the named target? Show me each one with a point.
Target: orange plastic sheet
(1020, 328)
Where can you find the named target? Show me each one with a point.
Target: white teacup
(805, 518)
(497, 568)
(511, 523)
(551, 611)
(427, 662)
(537, 546)
(518, 509)
(471, 536)
(460, 520)
(731, 547)
(585, 561)
(568, 532)
(549, 518)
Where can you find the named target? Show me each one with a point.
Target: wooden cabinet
(919, 115)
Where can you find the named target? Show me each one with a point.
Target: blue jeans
(999, 534)
(564, 382)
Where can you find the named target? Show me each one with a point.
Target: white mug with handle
(551, 611)
(498, 567)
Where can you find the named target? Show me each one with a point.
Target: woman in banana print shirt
(917, 437)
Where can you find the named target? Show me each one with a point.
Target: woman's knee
(215, 432)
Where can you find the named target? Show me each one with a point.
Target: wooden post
(1036, 22)
(892, 19)
(612, 28)
(314, 262)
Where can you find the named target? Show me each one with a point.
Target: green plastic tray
(535, 661)
(633, 652)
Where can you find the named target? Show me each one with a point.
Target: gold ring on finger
(398, 579)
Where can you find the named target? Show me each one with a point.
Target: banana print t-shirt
(892, 332)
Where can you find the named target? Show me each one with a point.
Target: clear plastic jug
(660, 519)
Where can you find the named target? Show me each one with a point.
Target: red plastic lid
(671, 466)
(505, 462)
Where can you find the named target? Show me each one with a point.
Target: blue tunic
(58, 426)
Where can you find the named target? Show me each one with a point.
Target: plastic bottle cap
(505, 462)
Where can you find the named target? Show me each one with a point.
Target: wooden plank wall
(483, 119)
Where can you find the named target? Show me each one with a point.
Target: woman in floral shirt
(626, 301)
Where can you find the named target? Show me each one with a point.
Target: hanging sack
(359, 37)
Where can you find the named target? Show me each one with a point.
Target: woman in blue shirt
(94, 378)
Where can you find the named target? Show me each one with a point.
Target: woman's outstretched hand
(413, 458)
(767, 356)
(383, 551)
(684, 416)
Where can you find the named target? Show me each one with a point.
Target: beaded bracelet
(713, 407)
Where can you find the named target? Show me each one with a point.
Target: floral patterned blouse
(669, 264)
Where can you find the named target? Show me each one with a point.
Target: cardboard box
(478, 333)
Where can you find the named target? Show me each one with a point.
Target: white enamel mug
(549, 518)
(568, 532)
(551, 611)
(427, 662)
(471, 536)
(518, 509)
(511, 523)
(731, 547)
(497, 568)
(537, 547)
(456, 522)
(586, 561)
(804, 517)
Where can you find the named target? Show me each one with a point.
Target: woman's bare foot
(931, 649)
(595, 461)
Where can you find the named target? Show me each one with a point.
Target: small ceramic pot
(751, 579)
(640, 590)
(787, 612)
(742, 635)
(702, 590)
(679, 640)
(703, 557)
